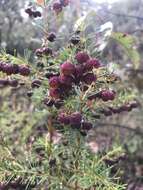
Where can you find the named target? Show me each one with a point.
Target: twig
(137, 130)
(124, 15)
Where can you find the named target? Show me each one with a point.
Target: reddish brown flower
(54, 82)
(89, 78)
(82, 57)
(67, 68)
(55, 93)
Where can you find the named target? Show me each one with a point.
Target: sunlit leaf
(80, 23)
(96, 32)
(98, 39)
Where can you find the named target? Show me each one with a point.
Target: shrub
(68, 90)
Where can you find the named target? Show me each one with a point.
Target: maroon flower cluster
(62, 84)
(7, 82)
(127, 107)
(33, 13)
(75, 120)
(44, 51)
(10, 69)
(58, 6)
(71, 74)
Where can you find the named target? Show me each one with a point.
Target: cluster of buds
(8, 82)
(75, 120)
(44, 51)
(33, 13)
(127, 107)
(10, 69)
(58, 6)
(105, 95)
(73, 74)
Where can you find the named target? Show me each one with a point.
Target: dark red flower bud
(87, 126)
(55, 93)
(112, 95)
(3, 186)
(107, 112)
(88, 66)
(79, 71)
(107, 95)
(24, 70)
(39, 52)
(4, 82)
(126, 107)
(134, 104)
(57, 7)
(89, 78)
(67, 80)
(49, 102)
(65, 89)
(49, 75)
(15, 69)
(29, 11)
(64, 119)
(94, 62)
(82, 57)
(7, 68)
(54, 82)
(75, 118)
(115, 110)
(36, 83)
(51, 37)
(47, 51)
(67, 68)
(13, 83)
(84, 88)
(37, 14)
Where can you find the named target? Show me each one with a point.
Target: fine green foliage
(61, 166)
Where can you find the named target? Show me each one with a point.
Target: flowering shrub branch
(70, 90)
